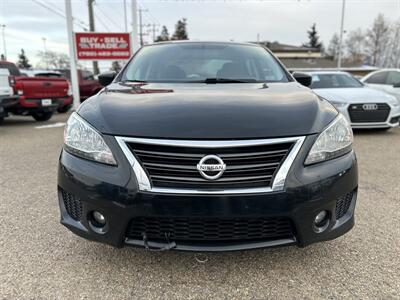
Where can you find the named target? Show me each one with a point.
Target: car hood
(207, 111)
(354, 95)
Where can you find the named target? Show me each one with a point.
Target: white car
(7, 97)
(387, 80)
(362, 106)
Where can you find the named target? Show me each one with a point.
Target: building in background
(300, 58)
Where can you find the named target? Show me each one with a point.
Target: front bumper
(113, 191)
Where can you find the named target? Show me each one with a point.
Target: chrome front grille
(175, 167)
(171, 166)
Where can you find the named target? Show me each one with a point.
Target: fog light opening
(98, 219)
(321, 221)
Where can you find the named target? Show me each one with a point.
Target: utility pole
(135, 41)
(154, 32)
(154, 29)
(92, 29)
(3, 28)
(339, 65)
(125, 17)
(72, 55)
(141, 27)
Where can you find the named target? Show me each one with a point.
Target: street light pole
(3, 27)
(339, 65)
(45, 51)
(135, 40)
(44, 44)
(125, 17)
(72, 56)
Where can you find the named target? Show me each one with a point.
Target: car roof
(328, 72)
(35, 72)
(204, 42)
(386, 70)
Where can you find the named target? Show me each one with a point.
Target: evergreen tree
(164, 36)
(313, 38)
(23, 61)
(180, 30)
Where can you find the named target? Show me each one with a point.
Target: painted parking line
(55, 125)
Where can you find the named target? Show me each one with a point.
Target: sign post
(103, 46)
(72, 56)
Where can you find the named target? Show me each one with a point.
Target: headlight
(338, 104)
(334, 141)
(81, 139)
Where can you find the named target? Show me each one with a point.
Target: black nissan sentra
(207, 146)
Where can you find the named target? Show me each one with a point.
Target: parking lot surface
(39, 258)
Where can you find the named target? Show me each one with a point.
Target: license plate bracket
(46, 102)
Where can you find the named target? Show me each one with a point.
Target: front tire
(42, 116)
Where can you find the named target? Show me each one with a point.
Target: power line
(86, 25)
(102, 23)
(155, 20)
(108, 18)
(61, 14)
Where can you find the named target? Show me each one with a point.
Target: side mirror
(396, 85)
(302, 78)
(106, 78)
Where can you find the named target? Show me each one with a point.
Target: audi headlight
(82, 140)
(336, 140)
(338, 104)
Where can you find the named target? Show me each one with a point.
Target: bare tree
(376, 41)
(355, 45)
(333, 47)
(53, 60)
(393, 47)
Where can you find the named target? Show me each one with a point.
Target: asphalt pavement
(39, 258)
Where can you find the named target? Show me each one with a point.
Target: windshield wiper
(133, 81)
(227, 80)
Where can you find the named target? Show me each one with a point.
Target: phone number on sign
(103, 53)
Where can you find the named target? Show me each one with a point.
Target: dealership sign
(102, 46)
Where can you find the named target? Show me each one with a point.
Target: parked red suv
(88, 85)
(38, 96)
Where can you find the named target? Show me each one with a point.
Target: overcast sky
(285, 21)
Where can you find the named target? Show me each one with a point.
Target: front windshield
(204, 62)
(331, 81)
